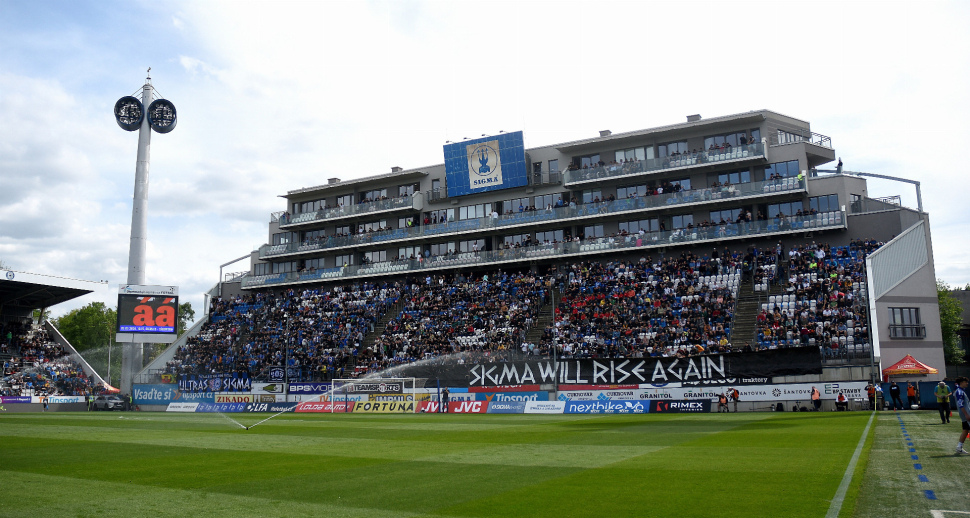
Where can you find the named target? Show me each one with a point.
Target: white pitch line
(942, 514)
(836, 505)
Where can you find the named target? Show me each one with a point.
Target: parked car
(108, 403)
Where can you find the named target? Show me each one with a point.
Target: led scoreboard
(147, 313)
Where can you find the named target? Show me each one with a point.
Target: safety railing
(630, 243)
(551, 214)
(650, 165)
(347, 211)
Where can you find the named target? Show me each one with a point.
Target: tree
(186, 317)
(89, 327)
(3, 265)
(951, 317)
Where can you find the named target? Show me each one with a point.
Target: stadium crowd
(35, 365)
(824, 302)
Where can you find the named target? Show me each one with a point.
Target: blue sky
(274, 96)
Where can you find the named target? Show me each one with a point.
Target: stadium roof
(33, 291)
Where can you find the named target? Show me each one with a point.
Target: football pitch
(704, 465)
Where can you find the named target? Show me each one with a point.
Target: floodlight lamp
(161, 116)
(129, 113)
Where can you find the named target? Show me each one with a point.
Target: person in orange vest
(816, 399)
(841, 404)
(735, 396)
(722, 401)
(871, 391)
(911, 399)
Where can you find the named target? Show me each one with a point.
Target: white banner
(544, 407)
(778, 392)
(182, 407)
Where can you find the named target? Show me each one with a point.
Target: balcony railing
(630, 243)
(649, 165)
(907, 331)
(788, 136)
(562, 214)
(347, 211)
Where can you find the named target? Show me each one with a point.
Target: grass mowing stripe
(836, 505)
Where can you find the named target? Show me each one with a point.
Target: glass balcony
(559, 214)
(650, 165)
(597, 246)
(360, 209)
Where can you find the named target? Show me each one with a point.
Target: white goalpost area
(375, 395)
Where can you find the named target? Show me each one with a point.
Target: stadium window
(283, 238)
(474, 211)
(406, 222)
(788, 209)
(637, 153)
(824, 203)
(734, 139)
(684, 183)
(784, 169)
(671, 148)
(284, 267)
(313, 234)
(372, 226)
(514, 204)
(516, 239)
(345, 200)
(377, 256)
(472, 245)
(905, 323)
(785, 137)
(546, 200)
(554, 166)
(442, 248)
(591, 195)
(407, 190)
(742, 176)
(634, 227)
(728, 215)
(372, 195)
(408, 252)
(345, 230)
(593, 231)
(549, 236)
(313, 263)
(682, 220)
(629, 191)
(262, 269)
(587, 161)
(344, 260)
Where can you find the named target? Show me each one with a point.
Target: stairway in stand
(534, 334)
(746, 314)
(393, 312)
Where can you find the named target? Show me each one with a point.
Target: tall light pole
(145, 114)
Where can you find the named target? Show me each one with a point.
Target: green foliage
(89, 327)
(186, 317)
(41, 318)
(3, 265)
(951, 316)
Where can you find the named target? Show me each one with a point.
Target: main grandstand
(37, 361)
(719, 235)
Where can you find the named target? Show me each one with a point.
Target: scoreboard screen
(147, 314)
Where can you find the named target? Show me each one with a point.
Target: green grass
(708, 465)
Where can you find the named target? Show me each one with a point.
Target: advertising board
(680, 407)
(467, 407)
(485, 164)
(324, 407)
(222, 408)
(759, 393)
(544, 407)
(182, 407)
(310, 388)
(509, 407)
(270, 407)
(606, 407)
(511, 396)
(215, 383)
(386, 407)
(234, 398)
(268, 388)
(163, 394)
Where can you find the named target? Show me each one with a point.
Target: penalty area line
(836, 506)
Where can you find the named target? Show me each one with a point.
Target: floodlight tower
(131, 114)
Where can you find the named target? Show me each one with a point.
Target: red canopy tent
(908, 365)
(111, 390)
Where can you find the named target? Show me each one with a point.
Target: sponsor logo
(15, 399)
(182, 407)
(605, 407)
(65, 399)
(324, 407)
(675, 407)
(511, 407)
(542, 407)
(10, 275)
(379, 388)
(383, 406)
(515, 396)
(390, 397)
(221, 407)
(310, 388)
(270, 407)
(468, 407)
(234, 398)
(277, 374)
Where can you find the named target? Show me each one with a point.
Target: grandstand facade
(734, 207)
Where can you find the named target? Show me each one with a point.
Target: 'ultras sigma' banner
(717, 369)
(215, 383)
